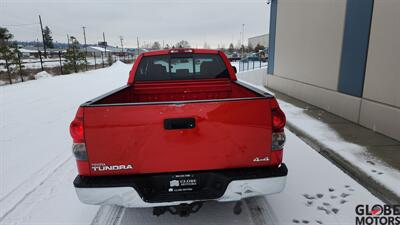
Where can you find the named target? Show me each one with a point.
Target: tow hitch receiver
(183, 210)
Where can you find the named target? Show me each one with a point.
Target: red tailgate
(227, 134)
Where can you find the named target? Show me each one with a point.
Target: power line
(18, 25)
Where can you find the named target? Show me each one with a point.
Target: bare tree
(156, 45)
(258, 48)
(183, 44)
(250, 47)
(206, 45)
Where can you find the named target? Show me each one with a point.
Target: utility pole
(68, 40)
(41, 28)
(242, 40)
(122, 45)
(84, 37)
(105, 45)
(163, 44)
(137, 40)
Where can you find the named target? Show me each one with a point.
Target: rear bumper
(153, 190)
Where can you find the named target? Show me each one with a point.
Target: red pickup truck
(182, 131)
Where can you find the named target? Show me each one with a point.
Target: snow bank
(42, 75)
(118, 63)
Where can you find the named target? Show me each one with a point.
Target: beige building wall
(382, 77)
(308, 41)
(308, 51)
(380, 108)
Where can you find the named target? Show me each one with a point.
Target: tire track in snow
(108, 214)
(54, 201)
(261, 211)
(12, 200)
(255, 211)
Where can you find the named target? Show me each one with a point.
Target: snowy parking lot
(37, 167)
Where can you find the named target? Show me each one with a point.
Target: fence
(245, 65)
(25, 68)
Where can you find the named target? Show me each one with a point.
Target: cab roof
(181, 51)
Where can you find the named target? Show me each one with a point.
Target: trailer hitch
(183, 210)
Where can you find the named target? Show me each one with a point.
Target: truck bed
(173, 91)
(200, 124)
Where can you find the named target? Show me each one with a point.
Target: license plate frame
(184, 183)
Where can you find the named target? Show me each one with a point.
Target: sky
(216, 23)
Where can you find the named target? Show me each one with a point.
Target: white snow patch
(316, 190)
(42, 75)
(99, 48)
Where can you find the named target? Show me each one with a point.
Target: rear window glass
(181, 67)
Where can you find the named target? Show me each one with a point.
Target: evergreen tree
(5, 38)
(7, 49)
(48, 39)
(75, 59)
(16, 60)
(167, 46)
(231, 48)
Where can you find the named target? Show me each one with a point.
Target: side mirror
(234, 68)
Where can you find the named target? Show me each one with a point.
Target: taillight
(77, 132)
(278, 117)
(278, 125)
(76, 127)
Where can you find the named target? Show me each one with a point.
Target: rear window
(181, 67)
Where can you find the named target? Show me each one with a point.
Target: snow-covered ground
(37, 168)
(247, 66)
(34, 126)
(53, 62)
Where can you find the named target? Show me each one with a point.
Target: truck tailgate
(156, 138)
